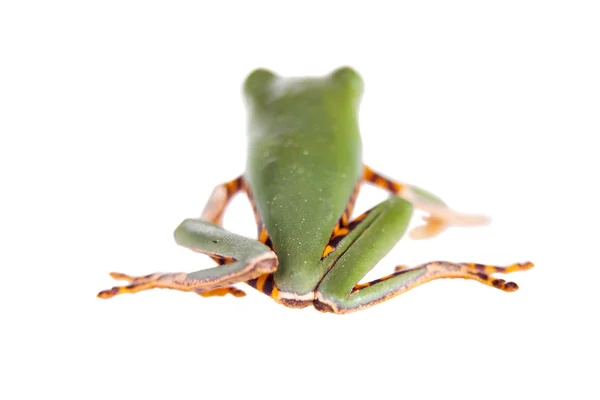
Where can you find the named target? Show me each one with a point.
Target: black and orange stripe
(343, 227)
(222, 260)
(231, 189)
(234, 186)
(264, 283)
(379, 180)
(478, 272)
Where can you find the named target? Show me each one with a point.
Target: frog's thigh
(245, 258)
(372, 236)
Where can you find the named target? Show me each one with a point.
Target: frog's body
(304, 170)
(304, 159)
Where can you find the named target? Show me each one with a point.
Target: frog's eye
(258, 80)
(349, 78)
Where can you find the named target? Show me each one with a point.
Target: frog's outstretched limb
(440, 216)
(243, 258)
(361, 249)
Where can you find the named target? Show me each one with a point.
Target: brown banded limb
(246, 259)
(219, 200)
(365, 245)
(240, 259)
(213, 211)
(439, 215)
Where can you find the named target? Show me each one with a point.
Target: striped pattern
(442, 269)
(221, 260)
(482, 274)
(222, 292)
(218, 205)
(264, 283)
(379, 180)
(343, 227)
(232, 188)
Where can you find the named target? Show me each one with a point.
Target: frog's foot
(440, 218)
(483, 273)
(442, 269)
(178, 281)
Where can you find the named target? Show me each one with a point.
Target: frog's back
(304, 161)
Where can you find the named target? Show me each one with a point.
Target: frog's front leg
(213, 212)
(243, 259)
(219, 200)
(371, 236)
(440, 216)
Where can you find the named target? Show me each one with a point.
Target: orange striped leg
(264, 283)
(215, 292)
(222, 291)
(368, 294)
(232, 290)
(220, 198)
(215, 281)
(443, 269)
(344, 226)
(240, 259)
(213, 211)
(439, 215)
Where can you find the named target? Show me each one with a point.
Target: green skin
(304, 161)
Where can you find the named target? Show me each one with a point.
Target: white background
(117, 118)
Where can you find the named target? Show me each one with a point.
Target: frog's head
(264, 87)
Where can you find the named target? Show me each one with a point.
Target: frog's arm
(440, 215)
(220, 198)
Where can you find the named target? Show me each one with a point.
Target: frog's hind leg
(215, 292)
(372, 235)
(439, 217)
(242, 258)
(443, 269)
